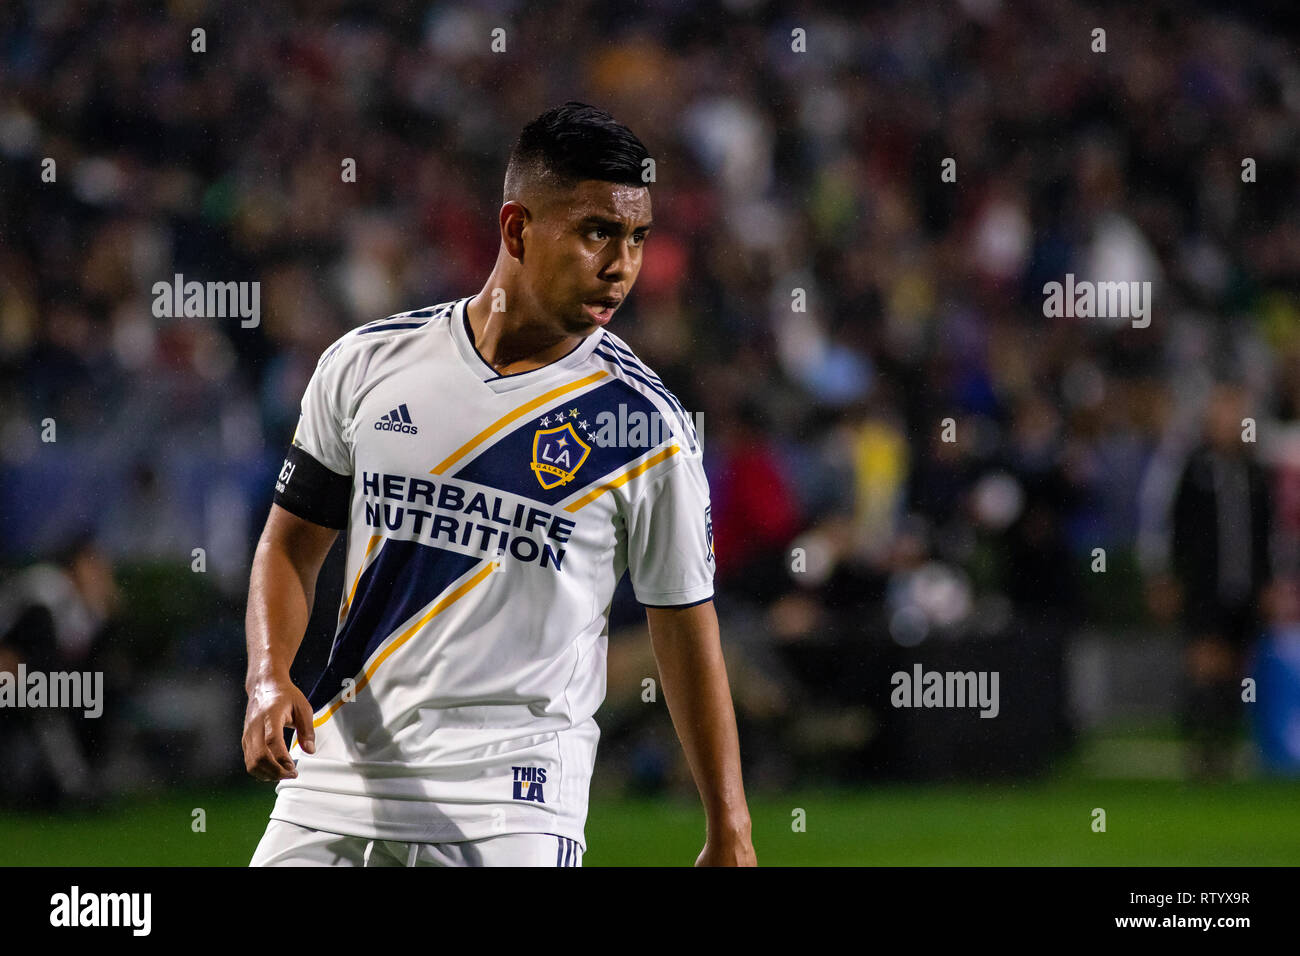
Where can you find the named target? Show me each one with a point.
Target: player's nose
(623, 264)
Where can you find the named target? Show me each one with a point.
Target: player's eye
(597, 234)
(638, 238)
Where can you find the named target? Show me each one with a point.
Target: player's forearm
(693, 674)
(279, 606)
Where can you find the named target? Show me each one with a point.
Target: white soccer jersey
(491, 517)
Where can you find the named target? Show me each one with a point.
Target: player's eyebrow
(612, 225)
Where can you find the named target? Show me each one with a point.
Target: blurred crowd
(908, 459)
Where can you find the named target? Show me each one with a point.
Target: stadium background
(776, 170)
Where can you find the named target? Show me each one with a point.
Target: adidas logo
(398, 420)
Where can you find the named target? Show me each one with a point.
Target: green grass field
(1148, 823)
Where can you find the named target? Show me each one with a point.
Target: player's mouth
(602, 310)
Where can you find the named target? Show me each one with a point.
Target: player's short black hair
(570, 143)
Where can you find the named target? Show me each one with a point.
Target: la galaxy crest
(558, 453)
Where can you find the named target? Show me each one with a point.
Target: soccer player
(498, 461)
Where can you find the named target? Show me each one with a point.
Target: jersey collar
(503, 383)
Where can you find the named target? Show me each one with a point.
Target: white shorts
(288, 844)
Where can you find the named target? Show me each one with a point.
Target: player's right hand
(274, 704)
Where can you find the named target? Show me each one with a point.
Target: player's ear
(514, 216)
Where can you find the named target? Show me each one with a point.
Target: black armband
(312, 491)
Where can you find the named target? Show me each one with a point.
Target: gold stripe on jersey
(441, 605)
(544, 399)
(622, 479)
(374, 539)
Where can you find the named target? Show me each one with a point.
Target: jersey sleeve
(315, 481)
(670, 538)
(320, 430)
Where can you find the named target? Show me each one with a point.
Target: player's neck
(509, 342)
